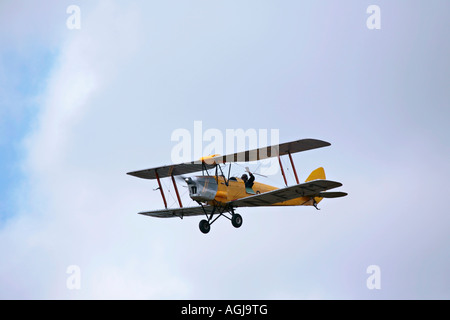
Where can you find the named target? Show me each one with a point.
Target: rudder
(317, 174)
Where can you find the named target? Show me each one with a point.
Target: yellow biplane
(219, 195)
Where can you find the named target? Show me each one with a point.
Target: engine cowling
(202, 188)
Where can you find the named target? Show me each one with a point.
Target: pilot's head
(244, 177)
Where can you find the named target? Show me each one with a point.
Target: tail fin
(319, 173)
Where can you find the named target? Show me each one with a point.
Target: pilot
(248, 182)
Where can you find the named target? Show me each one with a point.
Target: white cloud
(69, 217)
(120, 86)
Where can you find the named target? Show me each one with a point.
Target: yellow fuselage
(236, 190)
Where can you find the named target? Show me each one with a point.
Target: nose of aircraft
(202, 188)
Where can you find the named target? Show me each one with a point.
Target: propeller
(258, 174)
(185, 179)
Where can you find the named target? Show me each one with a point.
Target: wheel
(236, 220)
(204, 226)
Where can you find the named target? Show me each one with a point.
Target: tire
(204, 226)
(236, 220)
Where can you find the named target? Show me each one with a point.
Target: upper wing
(308, 189)
(245, 156)
(269, 152)
(171, 170)
(179, 212)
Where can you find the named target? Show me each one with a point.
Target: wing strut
(293, 167)
(160, 188)
(176, 191)
(282, 171)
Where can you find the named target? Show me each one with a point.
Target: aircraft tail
(319, 173)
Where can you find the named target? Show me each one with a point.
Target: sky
(80, 107)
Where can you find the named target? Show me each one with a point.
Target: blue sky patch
(23, 80)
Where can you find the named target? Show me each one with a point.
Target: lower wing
(313, 188)
(179, 212)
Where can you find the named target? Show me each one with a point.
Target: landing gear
(204, 226)
(236, 220)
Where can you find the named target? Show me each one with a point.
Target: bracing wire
(168, 191)
(289, 168)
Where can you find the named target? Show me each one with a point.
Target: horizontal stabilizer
(332, 194)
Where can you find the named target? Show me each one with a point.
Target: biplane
(218, 195)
